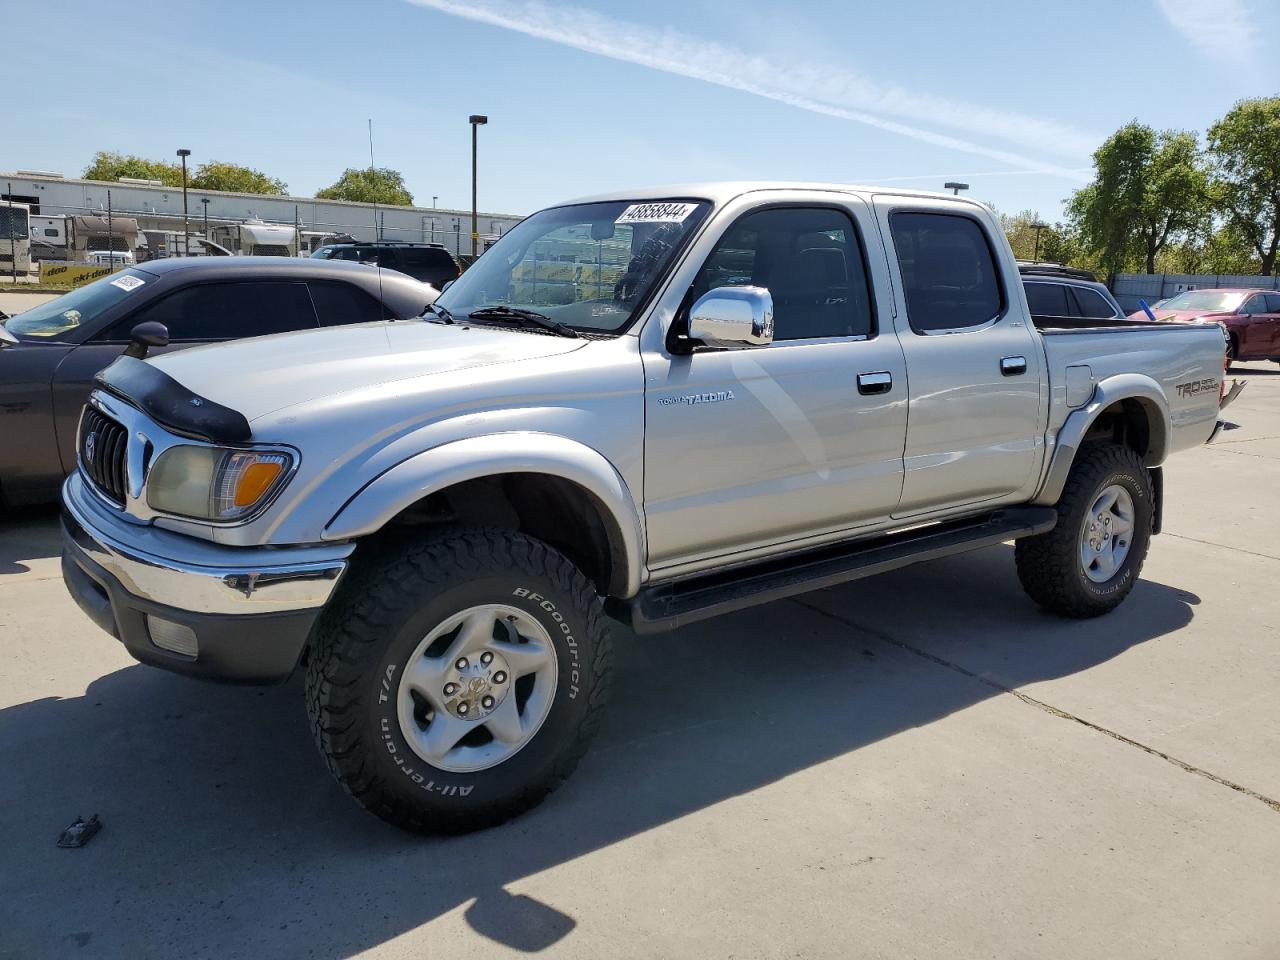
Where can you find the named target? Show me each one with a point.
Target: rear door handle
(1013, 366)
(879, 382)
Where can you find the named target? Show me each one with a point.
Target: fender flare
(433, 470)
(1108, 392)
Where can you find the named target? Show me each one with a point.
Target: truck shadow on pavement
(224, 835)
(27, 533)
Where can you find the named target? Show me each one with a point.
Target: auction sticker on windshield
(127, 283)
(656, 213)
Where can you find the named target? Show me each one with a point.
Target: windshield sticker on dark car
(127, 283)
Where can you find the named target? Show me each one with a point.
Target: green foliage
(1244, 147)
(219, 175)
(110, 166)
(370, 185)
(1020, 229)
(1149, 190)
(215, 175)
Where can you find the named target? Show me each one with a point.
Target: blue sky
(586, 96)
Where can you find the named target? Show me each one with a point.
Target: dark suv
(429, 262)
(1058, 291)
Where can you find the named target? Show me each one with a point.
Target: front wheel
(1087, 564)
(456, 683)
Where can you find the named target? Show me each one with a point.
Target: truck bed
(1186, 360)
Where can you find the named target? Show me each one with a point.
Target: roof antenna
(373, 174)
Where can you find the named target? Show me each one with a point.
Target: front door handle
(879, 382)
(1013, 366)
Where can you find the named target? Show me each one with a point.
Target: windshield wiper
(442, 312)
(531, 317)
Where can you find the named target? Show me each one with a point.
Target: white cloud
(1222, 29)
(825, 89)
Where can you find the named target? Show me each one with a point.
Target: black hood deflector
(172, 405)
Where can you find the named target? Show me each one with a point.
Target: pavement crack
(1040, 704)
(1211, 543)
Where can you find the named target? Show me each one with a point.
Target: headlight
(209, 483)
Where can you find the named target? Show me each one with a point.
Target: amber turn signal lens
(255, 481)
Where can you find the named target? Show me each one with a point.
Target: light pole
(205, 201)
(475, 120)
(183, 152)
(1037, 227)
(955, 187)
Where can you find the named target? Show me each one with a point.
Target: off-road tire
(377, 617)
(1049, 565)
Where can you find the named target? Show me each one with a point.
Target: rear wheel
(455, 684)
(1087, 564)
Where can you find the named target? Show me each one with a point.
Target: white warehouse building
(160, 208)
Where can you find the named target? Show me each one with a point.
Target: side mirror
(144, 336)
(733, 317)
(447, 284)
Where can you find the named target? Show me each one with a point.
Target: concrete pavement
(15, 302)
(918, 765)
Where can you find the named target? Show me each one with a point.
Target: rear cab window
(949, 274)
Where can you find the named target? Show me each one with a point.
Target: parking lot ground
(917, 765)
(12, 302)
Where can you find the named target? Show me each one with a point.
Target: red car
(1252, 318)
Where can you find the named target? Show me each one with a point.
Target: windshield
(52, 319)
(1204, 300)
(589, 266)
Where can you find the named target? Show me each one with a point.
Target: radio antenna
(373, 186)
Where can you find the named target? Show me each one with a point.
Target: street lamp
(1037, 227)
(205, 201)
(475, 120)
(955, 187)
(183, 152)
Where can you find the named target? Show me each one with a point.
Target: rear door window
(1273, 303)
(1092, 304)
(1255, 304)
(1047, 300)
(949, 274)
(338, 304)
(226, 311)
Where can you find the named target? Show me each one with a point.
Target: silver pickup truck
(654, 406)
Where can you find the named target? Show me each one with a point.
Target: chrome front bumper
(237, 613)
(197, 575)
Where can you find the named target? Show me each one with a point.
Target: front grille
(102, 453)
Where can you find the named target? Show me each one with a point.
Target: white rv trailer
(256, 238)
(15, 238)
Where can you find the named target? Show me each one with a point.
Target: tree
(370, 185)
(110, 166)
(1149, 189)
(1244, 148)
(215, 175)
(1021, 231)
(219, 175)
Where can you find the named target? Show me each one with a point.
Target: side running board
(673, 604)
